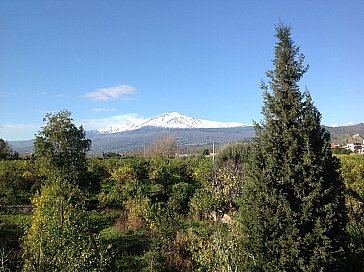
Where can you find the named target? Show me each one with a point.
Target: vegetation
(282, 203)
(60, 237)
(18, 181)
(154, 213)
(61, 147)
(293, 207)
(352, 170)
(339, 135)
(164, 146)
(6, 152)
(338, 150)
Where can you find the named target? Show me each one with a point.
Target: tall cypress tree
(293, 211)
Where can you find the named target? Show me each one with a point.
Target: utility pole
(213, 151)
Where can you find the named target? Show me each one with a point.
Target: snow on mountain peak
(172, 120)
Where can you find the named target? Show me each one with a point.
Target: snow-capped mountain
(171, 120)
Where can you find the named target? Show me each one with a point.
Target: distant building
(356, 144)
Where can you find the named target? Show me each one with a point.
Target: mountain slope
(135, 140)
(340, 133)
(147, 131)
(171, 120)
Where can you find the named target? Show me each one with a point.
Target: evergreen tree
(292, 211)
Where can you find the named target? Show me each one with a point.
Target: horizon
(118, 62)
(100, 131)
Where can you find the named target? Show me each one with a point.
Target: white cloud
(114, 92)
(20, 126)
(17, 132)
(351, 124)
(93, 124)
(103, 109)
(347, 124)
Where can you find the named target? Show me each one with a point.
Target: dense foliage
(153, 213)
(293, 208)
(62, 147)
(283, 203)
(352, 169)
(60, 237)
(18, 181)
(6, 152)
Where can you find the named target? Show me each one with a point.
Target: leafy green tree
(202, 204)
(60, 237)
(221, 183)
(6, 152)
(18, 181)
(62, 147)
(352, 171)
(126, 180)
(229, 177)
(293, 208)
(163, 174)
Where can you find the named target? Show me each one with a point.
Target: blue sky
(117, 61)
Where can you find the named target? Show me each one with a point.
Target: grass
(103, 219)
(128, 247)
(12, 228)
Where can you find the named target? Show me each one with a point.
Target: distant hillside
(22, 146)
(134, 140)
(339, 134)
